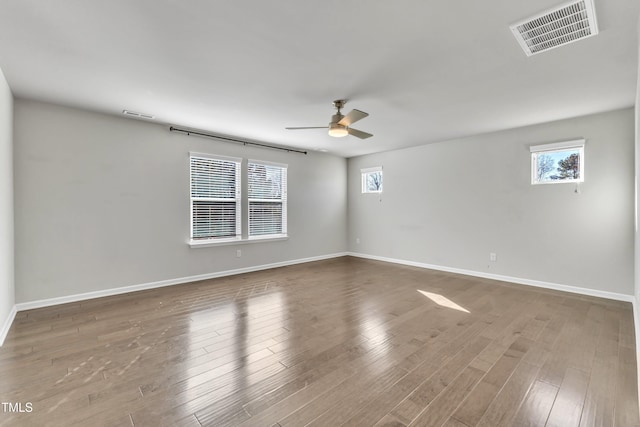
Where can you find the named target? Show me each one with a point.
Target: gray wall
(450, 204)
(103, 202)
(636, 309)
(7, 296)
(637, 195)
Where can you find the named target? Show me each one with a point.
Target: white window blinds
(267, 194)
(215, 197)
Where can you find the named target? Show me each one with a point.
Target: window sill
(238, 241)
(559, 181)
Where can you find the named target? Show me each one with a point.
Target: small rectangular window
(215, 197)
(558, 162)
(267, 194)
(372, 180)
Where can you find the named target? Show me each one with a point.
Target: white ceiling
(425, 71)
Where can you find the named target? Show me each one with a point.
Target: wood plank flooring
(345, 341)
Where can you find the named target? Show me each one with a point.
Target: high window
(558, 162)
(372, 180)
(267, 194)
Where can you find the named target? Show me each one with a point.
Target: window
(215, 198)
(372, 180)
(267, 194)
(557, 162)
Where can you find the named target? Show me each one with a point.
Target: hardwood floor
(345, 341)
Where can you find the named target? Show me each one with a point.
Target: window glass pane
(214, 219)
(265, 218)
(558, 166)
(265, 182)
(213, 178)
(372, 182)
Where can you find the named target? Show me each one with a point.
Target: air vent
(566, 24)
(138, 115)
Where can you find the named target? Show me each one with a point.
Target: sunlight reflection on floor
(443, 301)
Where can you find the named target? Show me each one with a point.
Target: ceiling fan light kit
(339, 125)
(337, 131)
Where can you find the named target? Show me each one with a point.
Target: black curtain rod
(238, 141)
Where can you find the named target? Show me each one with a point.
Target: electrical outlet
(357, 240)
(238, 253)
(493, 257)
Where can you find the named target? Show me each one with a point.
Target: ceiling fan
(340, 124)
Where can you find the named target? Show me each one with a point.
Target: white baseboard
(518, 280)
(7, 324)
(152, 285)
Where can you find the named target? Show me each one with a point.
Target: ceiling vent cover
(138, 115)
(563, 25)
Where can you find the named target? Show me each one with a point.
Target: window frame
(282, 200)
(556, 147)
(242, 204)
(237, 200)
(364, 174)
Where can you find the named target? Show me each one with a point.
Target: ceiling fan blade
(307, 127)
(352, 117)
(358, 133)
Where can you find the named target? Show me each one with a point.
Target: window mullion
(244, 203)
